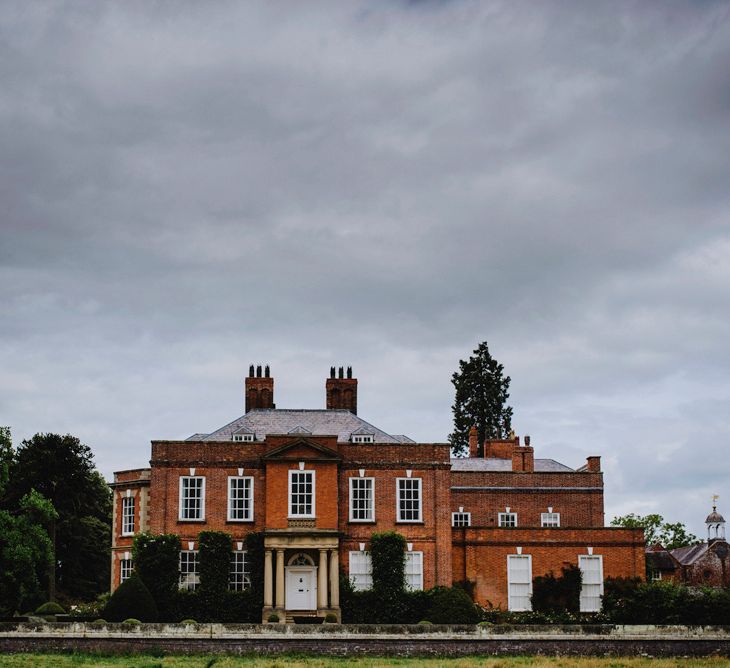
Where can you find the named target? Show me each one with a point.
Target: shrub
(132, 622)
(157, 561)
(330, 618)
(50, 608)
(188, 621)
(273, 618)
(131, 598)
(451, 606)
(99, 622)
(552, 594)
(425, 622)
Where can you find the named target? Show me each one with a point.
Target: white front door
(301, 588)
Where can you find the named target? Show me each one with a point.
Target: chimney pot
(341, 372)
(527, 440)
(266, 371)
(250, 371)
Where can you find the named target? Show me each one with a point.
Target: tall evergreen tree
(480, 401)
(61, 468)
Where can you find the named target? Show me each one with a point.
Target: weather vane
(715, 497)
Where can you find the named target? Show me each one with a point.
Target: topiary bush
(330, 618)
(50, 608)
(215, 553)
(157, 562)
(131, 599)
(132, 622)
(552, 594)
(273, 618)
(255, 554)
(451, 605)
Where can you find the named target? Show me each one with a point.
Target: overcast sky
(187, 188)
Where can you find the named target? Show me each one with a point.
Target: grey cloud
(187, 188)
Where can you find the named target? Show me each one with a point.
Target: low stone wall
(377, 640)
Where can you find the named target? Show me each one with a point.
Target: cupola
(715, 523)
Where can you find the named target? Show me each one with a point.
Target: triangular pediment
(302, 449)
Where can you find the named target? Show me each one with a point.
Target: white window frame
(361, 570)
(465, 517)
(363, 438)
(239, 576)
(309, 472)
(586, 601)
(411, 557)
(512, 559)
(181, 505)
(243, 438)
(550, 520)
(128, 505)
(398, 509)
(126, 567)
(352, 484)
(230, 517)
(190, 579)
(502, 520)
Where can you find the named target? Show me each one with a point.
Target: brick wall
(480, 555)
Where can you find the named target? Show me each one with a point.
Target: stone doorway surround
(322, 546)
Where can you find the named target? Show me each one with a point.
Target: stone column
(322, 580)
(334, 579)
(268, 581)
(280, 578)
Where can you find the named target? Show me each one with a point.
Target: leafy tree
(481, 395)
(61, 468)
(6, 458)
(656, 530)
(25, 553)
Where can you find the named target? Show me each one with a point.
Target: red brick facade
(337, 446)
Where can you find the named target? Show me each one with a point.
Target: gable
(302, 449)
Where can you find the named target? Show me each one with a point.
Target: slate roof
(493, 464)
(689, 554)
(662, 561)
(264, 421)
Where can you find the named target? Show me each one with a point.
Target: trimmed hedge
(451, 605)
(631, 601)
(50, 608)
(131, 599)
(215, 553)
(157, 562)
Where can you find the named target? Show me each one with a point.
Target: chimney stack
(259, 388)
(473, 442)
(341, 391)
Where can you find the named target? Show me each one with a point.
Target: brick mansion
(318, 483)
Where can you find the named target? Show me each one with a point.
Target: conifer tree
(482, 390)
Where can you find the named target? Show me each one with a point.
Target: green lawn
(73, 660)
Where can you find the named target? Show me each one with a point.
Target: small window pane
(125, 570)
(191, 497)
(240, 575)
(301, 503)
(414, 570)
(460, 519)
(362, 507)
(127, 515)
(409, 499)
(240, 498)
(361, 571)
(189, 570)
(508, 519)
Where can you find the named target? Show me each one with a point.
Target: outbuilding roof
(494, 464)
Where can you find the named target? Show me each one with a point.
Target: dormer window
(363, 438)
(243, 438)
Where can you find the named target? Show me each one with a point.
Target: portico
(301, 572)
